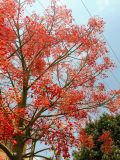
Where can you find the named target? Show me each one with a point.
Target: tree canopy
(50, 74)
(105, 139)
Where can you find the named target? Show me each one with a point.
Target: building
(3, 156)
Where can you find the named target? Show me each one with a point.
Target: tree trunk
(32, 149)
(19, 150)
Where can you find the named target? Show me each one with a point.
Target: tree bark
(32, 149)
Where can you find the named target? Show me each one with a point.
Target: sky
(109, 10)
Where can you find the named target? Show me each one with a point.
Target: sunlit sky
(109, 10)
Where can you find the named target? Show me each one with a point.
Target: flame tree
(50, 72)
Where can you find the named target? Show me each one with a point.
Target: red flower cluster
(107, 142)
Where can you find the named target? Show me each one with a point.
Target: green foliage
(96, 129)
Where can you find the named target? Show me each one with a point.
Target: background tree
(105, 134)
(50, 72)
